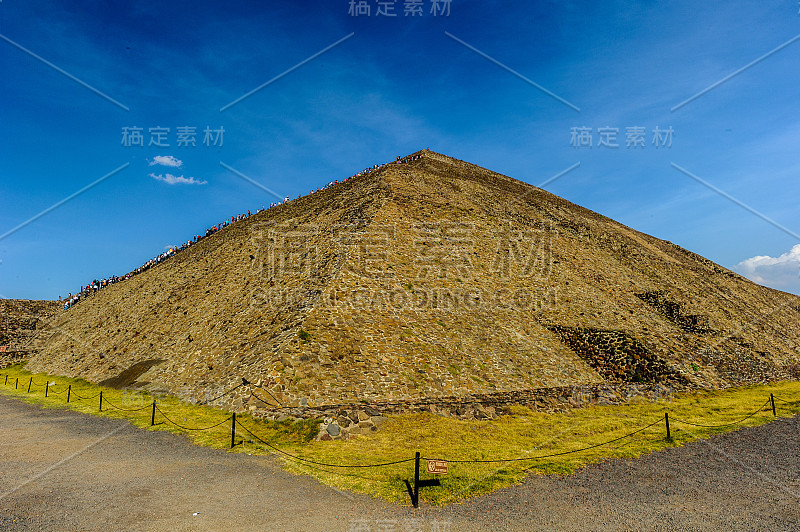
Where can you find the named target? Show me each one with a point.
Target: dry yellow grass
(525, 434)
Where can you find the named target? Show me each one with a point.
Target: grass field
(524, 434)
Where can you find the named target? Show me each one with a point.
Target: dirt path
(61, 470)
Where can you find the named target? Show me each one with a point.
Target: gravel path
(61, 470)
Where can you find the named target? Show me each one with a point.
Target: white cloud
(781, 272)
(177, 180)
(166, 160)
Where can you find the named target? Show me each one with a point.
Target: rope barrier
(189, 428)
(562, 453)
(339, 472)
(384, 464)
(784, 400)
(300, 458)
(124, 409)
(221, 395)
(85, 398)
(266, 390)
(726, 424)
(252, 393)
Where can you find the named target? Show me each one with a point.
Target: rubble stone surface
(433, 284)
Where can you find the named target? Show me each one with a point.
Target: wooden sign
(437, 467)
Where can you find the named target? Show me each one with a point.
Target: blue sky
(393, 85)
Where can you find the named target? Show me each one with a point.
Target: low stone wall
(10, 358)
(19, 320)
(345, 421)
(348, 423)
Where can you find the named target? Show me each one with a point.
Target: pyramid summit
(430, 279)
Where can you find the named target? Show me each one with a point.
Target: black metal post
(415, 502)
(69, 391)
(6, 379)
(153, 415)
(29, 384)
(46, 388)
(233, 430)
(16, 383)
(772, 400)
(413, 492)
(101, 401)
(666, 420)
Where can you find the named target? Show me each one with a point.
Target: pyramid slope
(430, 278)
(18, 321)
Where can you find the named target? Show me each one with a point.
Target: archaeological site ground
(428, 285)
(431, 281)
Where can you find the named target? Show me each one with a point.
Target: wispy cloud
(177, 179)
(781, 272)
(166, 160)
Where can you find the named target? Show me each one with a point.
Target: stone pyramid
(429, 279)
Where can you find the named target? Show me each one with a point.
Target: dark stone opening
(673, 311)
(617, 356)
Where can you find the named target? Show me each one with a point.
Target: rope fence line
(85, 398)
(724, 425)
(112, 405)
(223, 394)
(413, 493)
(253, 394)
(562, 453)
(188, 428)
(338, 472)
(784, 400)
(268, 392)
(300, 458)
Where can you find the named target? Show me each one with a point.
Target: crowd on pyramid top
(99, 284)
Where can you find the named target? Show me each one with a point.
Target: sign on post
(437, 467)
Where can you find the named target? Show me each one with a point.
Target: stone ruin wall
(19, 320)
